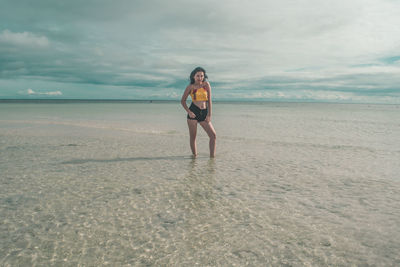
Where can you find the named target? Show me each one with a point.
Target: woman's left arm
(209, 103)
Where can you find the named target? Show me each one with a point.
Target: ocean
(114, 183)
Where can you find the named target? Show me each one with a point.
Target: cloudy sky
(287, 50)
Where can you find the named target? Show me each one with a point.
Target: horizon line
(99, 100)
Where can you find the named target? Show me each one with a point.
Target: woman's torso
(199, 95)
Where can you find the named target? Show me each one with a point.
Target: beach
(114, 183)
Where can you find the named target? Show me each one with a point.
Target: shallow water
(114, 184)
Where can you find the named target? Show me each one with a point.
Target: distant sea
(94, 183)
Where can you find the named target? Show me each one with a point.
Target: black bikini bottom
(201, 114)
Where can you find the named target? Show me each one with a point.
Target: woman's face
(199, 77)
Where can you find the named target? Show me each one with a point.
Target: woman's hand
(208, 119)
(192, 115)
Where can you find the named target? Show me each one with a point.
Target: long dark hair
(196, 70)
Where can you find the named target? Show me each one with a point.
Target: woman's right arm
(183, 102)
(184, 97)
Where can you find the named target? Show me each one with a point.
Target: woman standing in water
(201, 108)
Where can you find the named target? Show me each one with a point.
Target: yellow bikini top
(200, 94)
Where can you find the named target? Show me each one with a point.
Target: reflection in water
(200, 206)
(92, 160)
(199, 183)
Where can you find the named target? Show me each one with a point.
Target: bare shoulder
(189, 87)
(208, 85)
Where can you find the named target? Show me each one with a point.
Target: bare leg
(208, 127)
(192, 124)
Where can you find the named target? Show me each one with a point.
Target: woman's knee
(213, 136)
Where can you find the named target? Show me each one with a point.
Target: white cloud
(310, 95)
(23, 39)
(31, 92)
(238, 40)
